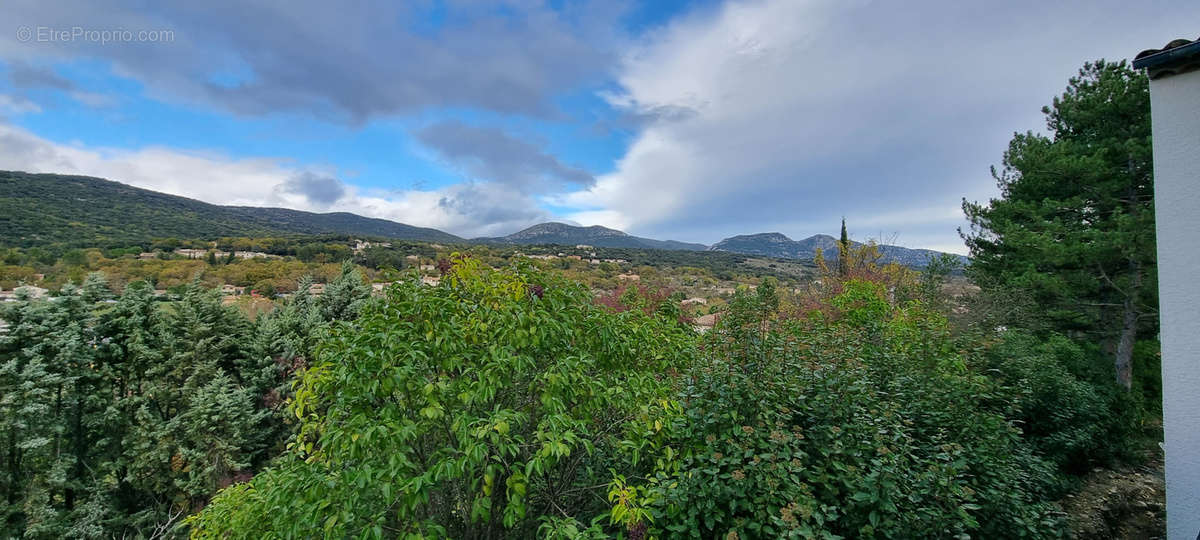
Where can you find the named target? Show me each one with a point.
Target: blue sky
(673, 119)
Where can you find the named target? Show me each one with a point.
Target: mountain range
(780, 246)
(596, 236)
(39, 209)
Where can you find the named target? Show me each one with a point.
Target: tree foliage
(120, 415)
(1074, 224)
(497, 403)
(859, 421)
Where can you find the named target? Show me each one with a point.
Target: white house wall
(1176, 118)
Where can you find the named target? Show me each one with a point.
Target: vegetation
(1074, 226)
(120, 416)
(496, 402)
(486, 395)
(39, 209)
(856, 420)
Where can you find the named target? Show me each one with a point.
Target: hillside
(40, 209)
(563, 234)
(779, 245)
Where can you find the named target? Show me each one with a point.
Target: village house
(379, 288)
(705, 323)
(254, 255)
(147, 256)
(427, 268)
(432, 281)
(192, 253)
(629, 277)
(1174, 72)
(316, 289)
(232, 289)
(574, 257)
(584, 247)
(360, 245)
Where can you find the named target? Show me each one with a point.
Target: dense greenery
(496, 403)
(118, 416)
(1074, 224)
(857, 420)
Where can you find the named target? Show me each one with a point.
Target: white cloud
(803, 111)
(472, 209)
(15, 105)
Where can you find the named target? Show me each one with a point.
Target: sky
(671, 119)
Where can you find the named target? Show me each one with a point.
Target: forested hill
(564, 234)
(780, 246)
(49, 208)
(39, 209)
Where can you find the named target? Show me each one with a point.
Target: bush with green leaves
(498, 403)
(1063, 400)
(858, 421)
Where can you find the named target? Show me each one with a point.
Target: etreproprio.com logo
(51, 34)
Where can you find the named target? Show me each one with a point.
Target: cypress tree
(844, 252)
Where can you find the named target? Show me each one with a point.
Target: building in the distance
(1174, 74)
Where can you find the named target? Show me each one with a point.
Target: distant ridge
(780, 246)
(595, 235)
(38, 209)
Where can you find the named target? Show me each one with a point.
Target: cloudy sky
(665, 118)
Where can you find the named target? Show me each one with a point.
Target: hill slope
(48, 208)
(779, 245)
(570, 235)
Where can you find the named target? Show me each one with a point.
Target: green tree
(1074, 223)
(74, 257)
(118, 418)
(843, 246)
(489, 406)
(46, 384)
(857, 421)
(345, 296)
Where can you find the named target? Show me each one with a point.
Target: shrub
(859, 421)
(1066, 402)
(497, 403)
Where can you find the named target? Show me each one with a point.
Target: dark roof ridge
(1176, 57)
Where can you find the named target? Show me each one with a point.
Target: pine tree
(1074, 224)
(344, 297)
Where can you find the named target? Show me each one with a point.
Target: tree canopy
(1074, 223)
